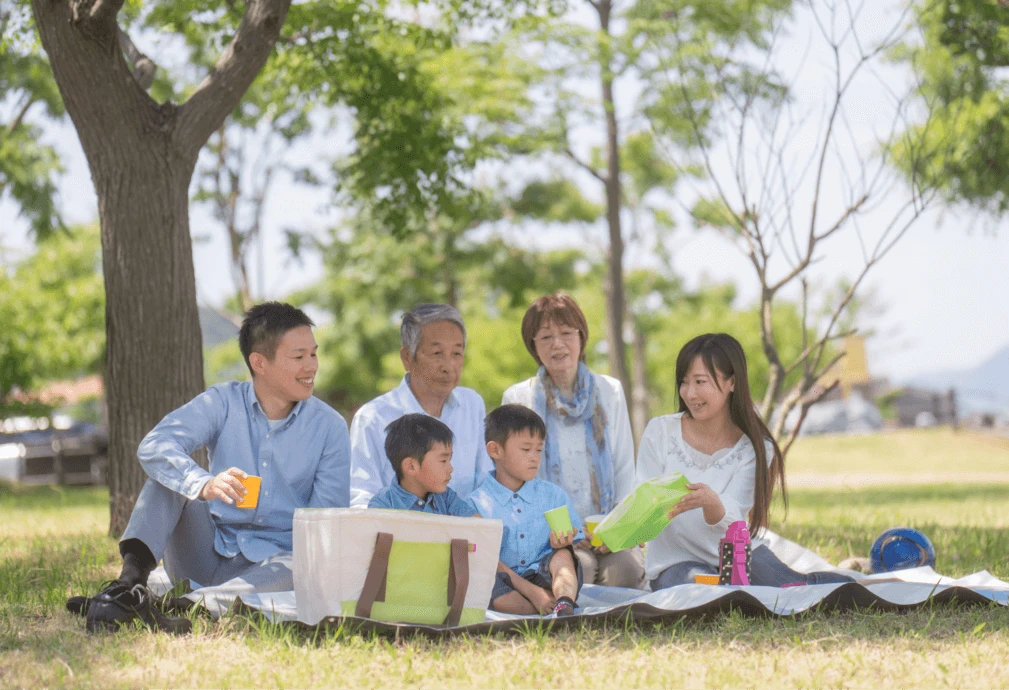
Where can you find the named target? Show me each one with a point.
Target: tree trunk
(142, 156)
(617, 352)
(155, 359)
(640, 394)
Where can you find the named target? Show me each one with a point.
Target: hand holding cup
(562, 533)
(226, 486)
(561, 540)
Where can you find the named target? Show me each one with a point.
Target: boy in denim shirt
(420, 450)
(538, 572)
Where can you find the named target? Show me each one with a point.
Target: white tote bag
(394, 565)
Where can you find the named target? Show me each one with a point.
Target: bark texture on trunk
(615, 299)
(640, 394)
(142, 155)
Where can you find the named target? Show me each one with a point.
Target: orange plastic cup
(251, 484)
(706, 579)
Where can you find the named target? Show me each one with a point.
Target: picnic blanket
(915, 587)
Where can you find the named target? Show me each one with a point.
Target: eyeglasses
(570, 336)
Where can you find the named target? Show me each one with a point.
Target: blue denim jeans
(766, 570)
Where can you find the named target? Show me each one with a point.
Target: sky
(941, 293)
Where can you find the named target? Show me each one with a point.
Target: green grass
(53, 543)
(902, 451)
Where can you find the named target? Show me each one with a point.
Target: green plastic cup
(559, 519)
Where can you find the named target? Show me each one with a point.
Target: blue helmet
(900, 548)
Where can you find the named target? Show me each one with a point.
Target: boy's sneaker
(564, 608)
(121, 603)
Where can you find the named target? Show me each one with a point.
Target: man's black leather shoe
(121, 603)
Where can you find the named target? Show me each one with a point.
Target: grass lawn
(902, 451)
(52, 543)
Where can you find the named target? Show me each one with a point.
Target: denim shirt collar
(405, 498)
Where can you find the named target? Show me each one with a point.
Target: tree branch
(143, 67)
(803, 411)
(585, 166)
(220, 93)
(20, 116)
(96, 19)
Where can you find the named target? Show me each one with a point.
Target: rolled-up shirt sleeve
(165, 453)
(331, 488)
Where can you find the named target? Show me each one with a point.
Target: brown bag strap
(458, 580)
(374, 581)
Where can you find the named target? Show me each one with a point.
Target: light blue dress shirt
(370, 469)
(526, 536)
(304, 462)
(448, 503)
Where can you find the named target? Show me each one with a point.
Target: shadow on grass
(40, 571)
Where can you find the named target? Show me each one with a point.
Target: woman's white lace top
(729, 472)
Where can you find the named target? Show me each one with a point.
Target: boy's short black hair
(511, 419)
(412, 436)
(265, 324)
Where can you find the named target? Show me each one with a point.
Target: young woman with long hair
(720, 443)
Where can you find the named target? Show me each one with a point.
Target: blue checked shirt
(448, 503)
(304, 462)
(526, 536)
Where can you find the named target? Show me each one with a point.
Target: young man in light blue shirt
(270, 427)
(419, 448)
(538, 572)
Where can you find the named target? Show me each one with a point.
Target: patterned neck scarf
(586, 409)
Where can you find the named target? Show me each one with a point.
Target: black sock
(138, 562)
(567, 599)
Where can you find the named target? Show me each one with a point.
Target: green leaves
(714, 213)
(28, 168)
(53, 310)
(962, 148)
(556, 201)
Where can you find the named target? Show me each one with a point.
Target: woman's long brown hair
(723, 352)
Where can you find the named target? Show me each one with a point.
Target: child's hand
(542, 600)
(700, 496)
(561, 540)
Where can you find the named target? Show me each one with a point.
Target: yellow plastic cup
(251, 499)
(590, 524)
(559, 519)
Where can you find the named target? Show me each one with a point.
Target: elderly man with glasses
(433, 348)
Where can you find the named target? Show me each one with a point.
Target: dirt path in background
(853, 479)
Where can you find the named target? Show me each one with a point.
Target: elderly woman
(589, 450)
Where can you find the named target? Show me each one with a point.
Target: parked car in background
(40, 450)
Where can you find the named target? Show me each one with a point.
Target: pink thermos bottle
(734, 561)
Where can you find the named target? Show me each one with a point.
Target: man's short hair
(422, 315)
(265, 324)
(412, 436)
(512, 419)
